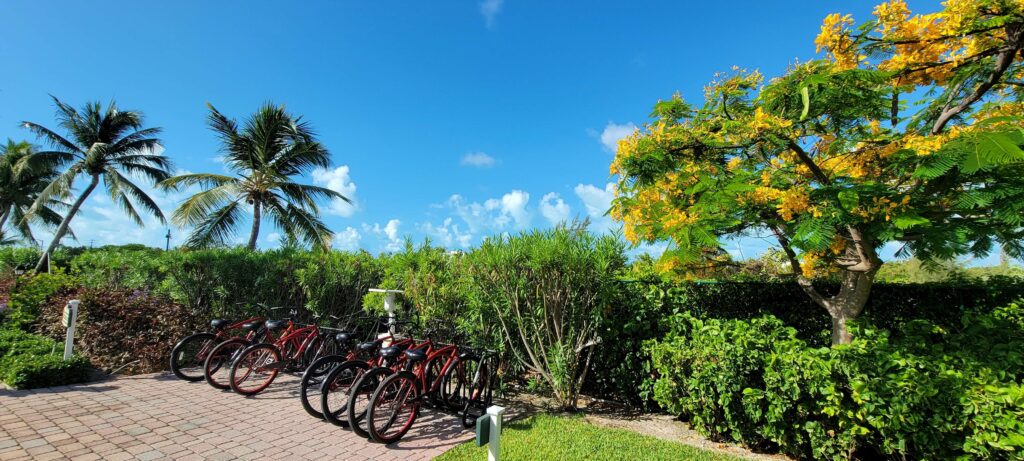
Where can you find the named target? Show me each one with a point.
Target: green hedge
(29, 361)
(646, 304)
(931, 393)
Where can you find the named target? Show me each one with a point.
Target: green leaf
(908, 220)
(805, 96)
(848, 199)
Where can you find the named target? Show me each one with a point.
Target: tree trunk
(255, 225)
(3, 218)
(66, 222)
(848, 303)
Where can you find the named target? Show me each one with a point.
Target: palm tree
(23, 175)
(264, 155)
(100, 144)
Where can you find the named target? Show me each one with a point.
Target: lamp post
(168, 236)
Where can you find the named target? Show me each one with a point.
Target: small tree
(908, 133)
(548, 291)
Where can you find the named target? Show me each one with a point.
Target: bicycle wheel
(255, 368)
(455, 385)
(393, 407)
(434, 370)
(312, 378)
(359, 398)
(317, 348)
(190, 353)
(478, 395)
(334, 391)
(217, 367)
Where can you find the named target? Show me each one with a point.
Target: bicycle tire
(334, 391)
(396, 395)
(179, 359)
(312, 379)
(248, 365)
(479, 396)
(359, 397)
(217, 367)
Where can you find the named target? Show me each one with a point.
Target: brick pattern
(157, 416)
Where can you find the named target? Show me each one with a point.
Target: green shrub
(28, 295)
(928, 393)
(120, 267)
(548, 291)
(30, 361)
(12, 258)
(32, 371)
(334, 283)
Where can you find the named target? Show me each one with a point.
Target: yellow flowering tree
(909, 132)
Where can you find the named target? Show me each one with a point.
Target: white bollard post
(494, 442)
(69, 320)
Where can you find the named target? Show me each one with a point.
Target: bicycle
(402, 393)
(334, 389)
(217, 368)
(361, 391)
(264, 361)
(314, 376)
(480, 391)
(189, 355)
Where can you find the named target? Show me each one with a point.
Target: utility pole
(168, 236)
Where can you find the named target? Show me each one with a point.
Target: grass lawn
(545, 437)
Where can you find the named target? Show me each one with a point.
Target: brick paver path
(158, 416)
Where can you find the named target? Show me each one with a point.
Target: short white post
(494, 442)
(69, 320)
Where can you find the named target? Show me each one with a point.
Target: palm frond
(215, 228)
(198, 207)
(127, 189)
(205, 180)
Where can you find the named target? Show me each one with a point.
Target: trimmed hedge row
(29, 361)
(647, 305)
(929, 393)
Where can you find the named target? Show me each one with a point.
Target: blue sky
(449, 119)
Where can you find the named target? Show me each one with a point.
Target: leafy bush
(929, 393)
(29, 361)
(549, 290)
(118, 327)
(29, 293)
(12, 258)
(120, 267)
(334, 283)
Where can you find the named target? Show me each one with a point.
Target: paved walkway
(158, 416)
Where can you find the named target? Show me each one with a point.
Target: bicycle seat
(343, 337)
(276, 324)
(390, 352)
(219, 324)
(252, 326)
(366, 347)
(416, 355)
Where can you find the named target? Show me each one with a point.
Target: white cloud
(614, 132)
(388, 232)
(339, 181)
(495, 214)
(478, 160)
(553, 208)
(448, 234)
(490, 9)
(347, 239)
(597, 201)
(273, 237)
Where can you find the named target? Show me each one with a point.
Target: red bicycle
(217, 368)
(395, 403)
(189, 355)
(334, 389)
(258, 365)
(361, 391)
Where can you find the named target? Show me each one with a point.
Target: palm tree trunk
(255, 225)
(66, 222)
(3, 217)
